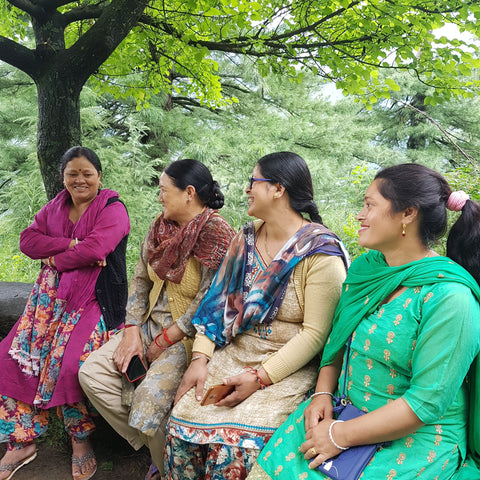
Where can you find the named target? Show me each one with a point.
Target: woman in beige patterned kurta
(178, 258)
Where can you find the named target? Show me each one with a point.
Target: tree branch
(444, 132)
(188, 103)
(4, 183)
(53, 4)
(88, 12)
(28, 7)
(18, 56)
(97, 44)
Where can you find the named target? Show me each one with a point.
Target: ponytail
(463, 242)
(312, 210)
(291, 171)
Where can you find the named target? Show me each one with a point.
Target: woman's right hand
(130, 345)
(320, 408)
(196, 375)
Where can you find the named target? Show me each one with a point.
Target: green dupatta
(370, 280)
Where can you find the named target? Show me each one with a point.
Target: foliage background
(343, 143)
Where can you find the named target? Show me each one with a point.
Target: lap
(153, 397)
(163, 376)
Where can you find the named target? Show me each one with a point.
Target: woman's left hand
(49, 261)
(153, 352)
(245, 384)
(317, 445)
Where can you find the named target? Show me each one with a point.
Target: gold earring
(99, 184)
(404, 228)
(275, 195)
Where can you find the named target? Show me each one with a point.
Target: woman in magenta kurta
(80, 237)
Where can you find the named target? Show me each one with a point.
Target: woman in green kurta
(414, 318)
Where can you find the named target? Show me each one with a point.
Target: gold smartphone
(215, 393)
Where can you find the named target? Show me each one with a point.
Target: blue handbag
(349, 464)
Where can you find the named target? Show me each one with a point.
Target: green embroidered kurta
(419, 346)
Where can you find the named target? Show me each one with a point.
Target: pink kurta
(99, 231)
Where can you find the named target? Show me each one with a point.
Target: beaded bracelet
(157, 344)
(165, 337)
(253, 371)
(330, 435)
(321, 393)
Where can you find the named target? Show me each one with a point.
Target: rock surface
(13, 297)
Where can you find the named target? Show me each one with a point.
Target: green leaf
(392, 85)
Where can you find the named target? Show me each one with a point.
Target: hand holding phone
(216, 393)
(136, 369)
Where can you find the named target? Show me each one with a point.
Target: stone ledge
(13, 297)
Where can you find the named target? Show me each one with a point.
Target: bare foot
(84, 464)
(14, 459)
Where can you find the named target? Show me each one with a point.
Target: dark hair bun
(216, 200)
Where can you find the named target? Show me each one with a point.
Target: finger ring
(313, 452)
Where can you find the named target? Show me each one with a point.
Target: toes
(89, 466)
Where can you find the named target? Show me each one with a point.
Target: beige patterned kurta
(152, 399)
(304, 323)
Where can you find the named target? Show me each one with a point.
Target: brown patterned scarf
(169, 247)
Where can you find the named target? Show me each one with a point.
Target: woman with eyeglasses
(260, 327)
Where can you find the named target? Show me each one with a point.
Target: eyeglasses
(253, 179)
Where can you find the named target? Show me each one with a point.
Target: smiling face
(260, 196)
(81, 179)
(380, 228)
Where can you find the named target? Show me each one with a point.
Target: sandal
(14, 467)
(80, 462)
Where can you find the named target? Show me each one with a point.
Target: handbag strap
(343, 398)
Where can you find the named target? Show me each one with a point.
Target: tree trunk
(417, 141)
(58, 127)
(58, 90)
(60, 73)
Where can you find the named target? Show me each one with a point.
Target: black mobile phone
(136, 369)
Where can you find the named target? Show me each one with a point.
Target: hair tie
(456, 201)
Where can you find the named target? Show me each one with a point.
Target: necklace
(265, 240)
(265, 245)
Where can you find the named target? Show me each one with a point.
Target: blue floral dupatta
(234, 305)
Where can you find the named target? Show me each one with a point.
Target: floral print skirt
(214, 461)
